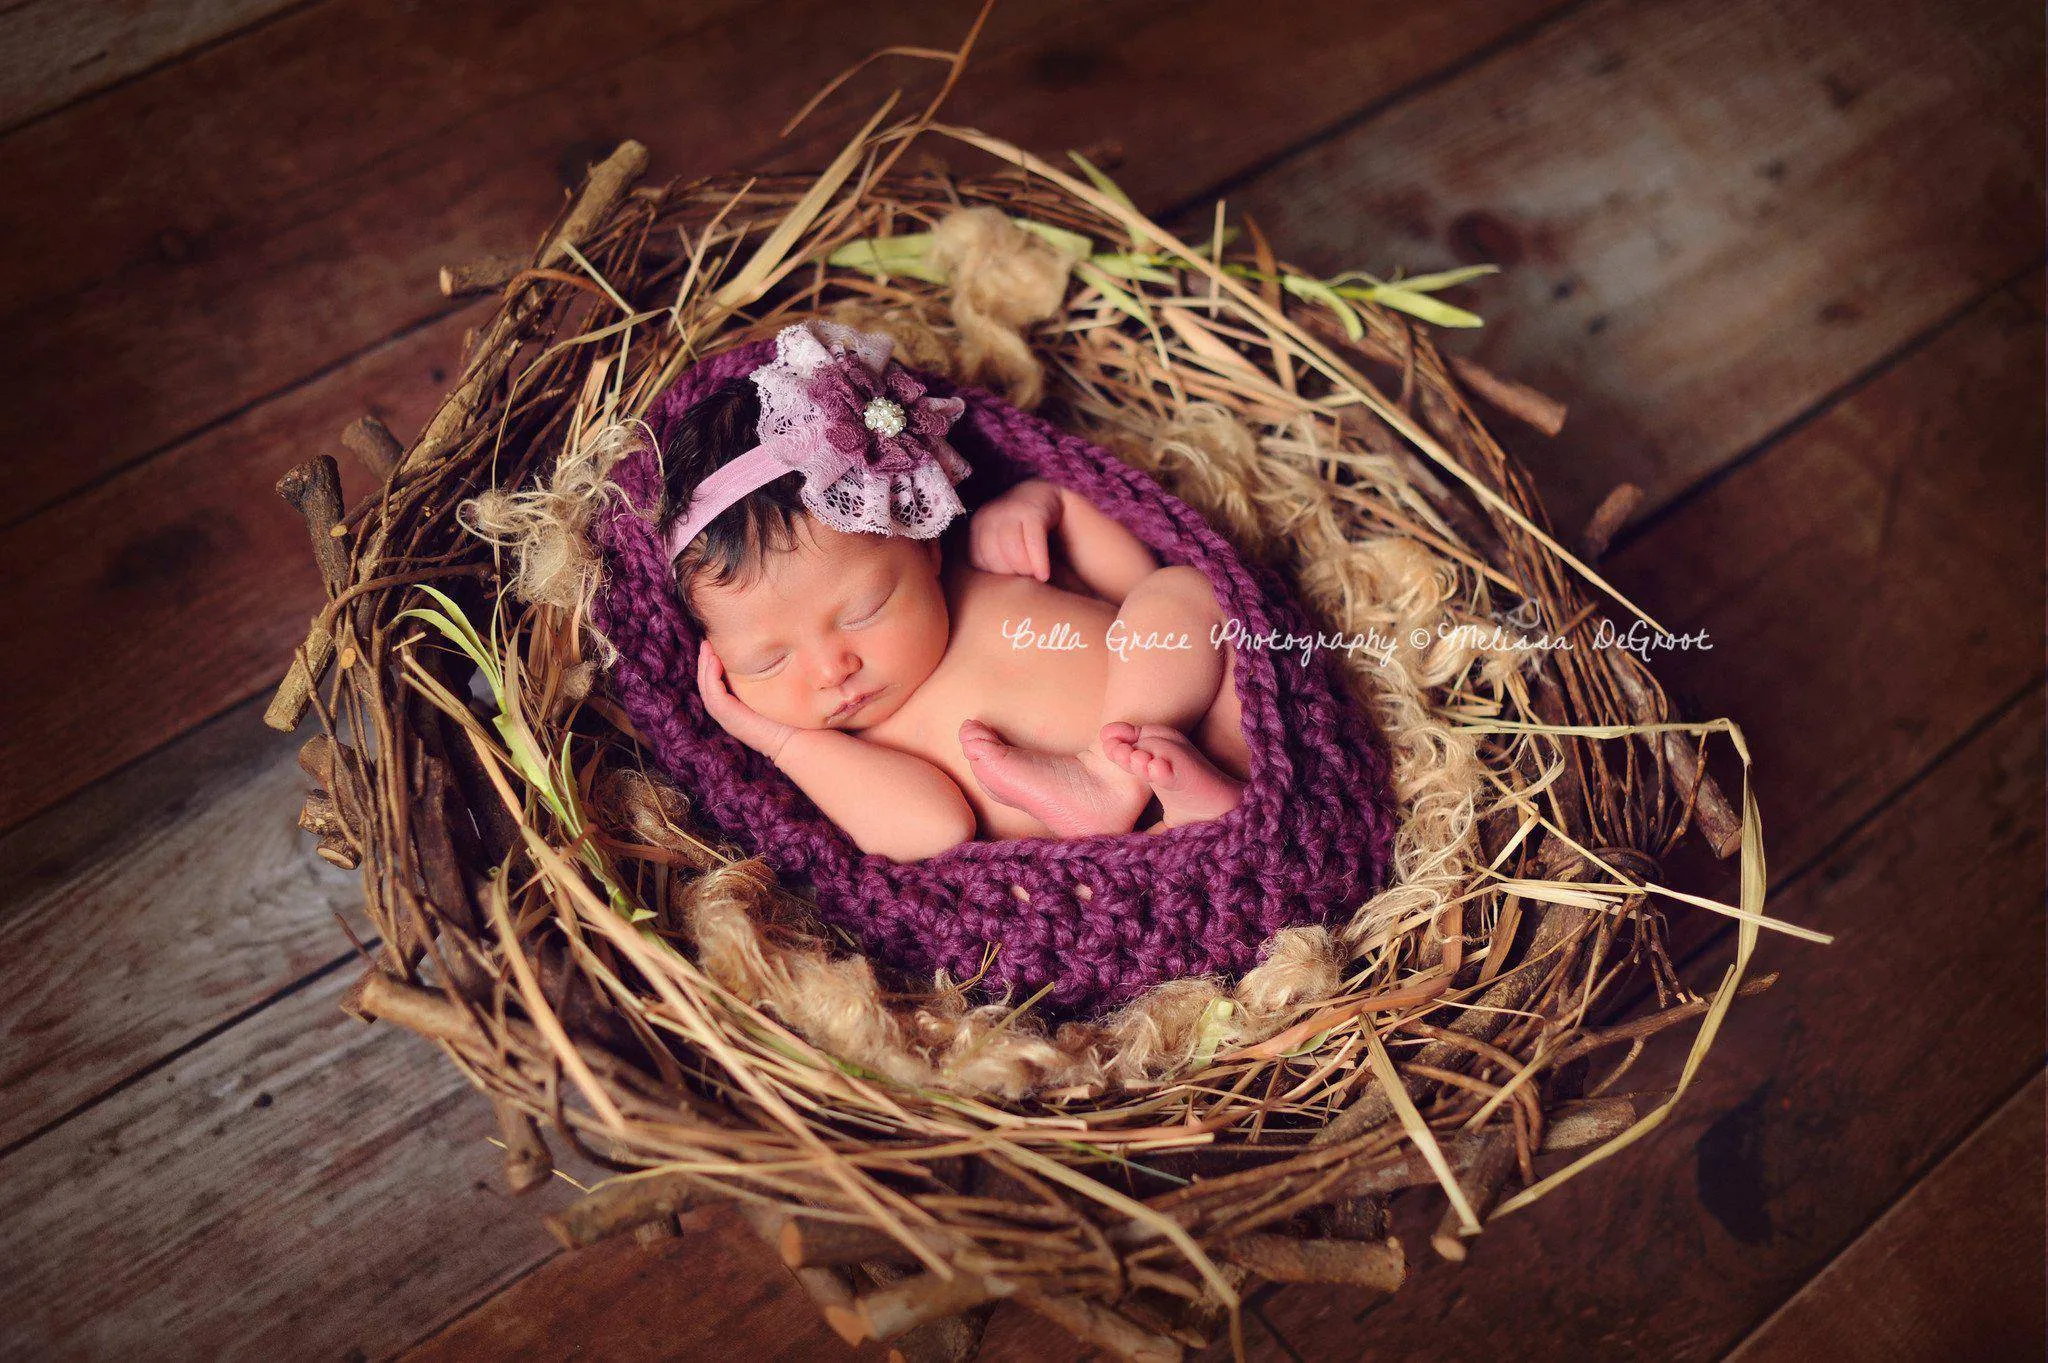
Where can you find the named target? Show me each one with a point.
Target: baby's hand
(1013, 533)
(764, 735)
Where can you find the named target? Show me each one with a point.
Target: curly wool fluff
(547, 529)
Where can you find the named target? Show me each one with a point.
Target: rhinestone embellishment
(883, 417)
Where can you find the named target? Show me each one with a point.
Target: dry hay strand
(555, 919)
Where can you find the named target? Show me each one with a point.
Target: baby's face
(835, 633)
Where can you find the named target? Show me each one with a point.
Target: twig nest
(565, 924)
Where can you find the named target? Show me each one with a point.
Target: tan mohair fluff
(1004, 280)
(548, 528)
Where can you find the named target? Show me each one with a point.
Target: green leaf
(1130, 266)
(1445, 279)
(1318, 292)
(908, 255)
(1101, 181)
(455, 626)
(526, 759)
(1072, 245)
(1423, 306)
(1126, 303)
(1422, 283)
(1209, 1033)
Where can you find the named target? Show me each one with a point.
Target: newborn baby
(1045, 678)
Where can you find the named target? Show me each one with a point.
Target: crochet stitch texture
(1101, 919)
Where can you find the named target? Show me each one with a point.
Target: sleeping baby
(1043, 677)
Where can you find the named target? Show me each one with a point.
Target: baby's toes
(1119, 745)
(977, 740)
(1164, 748)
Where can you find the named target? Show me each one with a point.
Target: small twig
(527, 1162)
(371, 441)
(1654, 1023)
(1608, 518)
(487, 275)
(1482, 1182)
(1378, 1265)
(891, 1311)
(314, 490)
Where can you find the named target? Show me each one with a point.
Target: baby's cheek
(756, 696)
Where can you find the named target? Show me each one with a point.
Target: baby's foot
(1189, 787)
(1074, 797)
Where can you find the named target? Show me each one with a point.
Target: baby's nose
(836, 665)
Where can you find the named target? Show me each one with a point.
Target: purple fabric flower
(889, 422)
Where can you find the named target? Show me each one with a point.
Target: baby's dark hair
(714, 430)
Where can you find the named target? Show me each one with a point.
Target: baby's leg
(1158, 692)
(1154, 693)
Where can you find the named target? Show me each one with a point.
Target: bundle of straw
(556, 922)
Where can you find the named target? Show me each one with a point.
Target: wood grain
(55, 51)
(1709, 211)
(1954, 1270)
(301, 188)
(1826, 1098)
(308, 1187)
(104, 661)
(172, 899)
(696, 1296)
(1875, 582)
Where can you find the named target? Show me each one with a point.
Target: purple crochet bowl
(1100, 919)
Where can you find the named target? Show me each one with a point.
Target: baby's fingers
(710, 677)
(1017, 548)
(1040, 552)
(982, 545)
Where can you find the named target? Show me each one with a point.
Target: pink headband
(866, 435)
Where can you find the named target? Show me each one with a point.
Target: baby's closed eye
(866, 614)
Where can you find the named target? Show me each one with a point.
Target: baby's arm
(1012, 533)
(925, 813)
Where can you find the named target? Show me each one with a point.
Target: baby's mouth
(857, 703)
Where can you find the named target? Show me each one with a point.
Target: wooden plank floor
(1783, 259)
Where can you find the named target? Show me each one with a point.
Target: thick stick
(1539, 410)
(953, 1339)
(621, 1206)
(608, 182)
(1716, 819)
(806, 1242)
